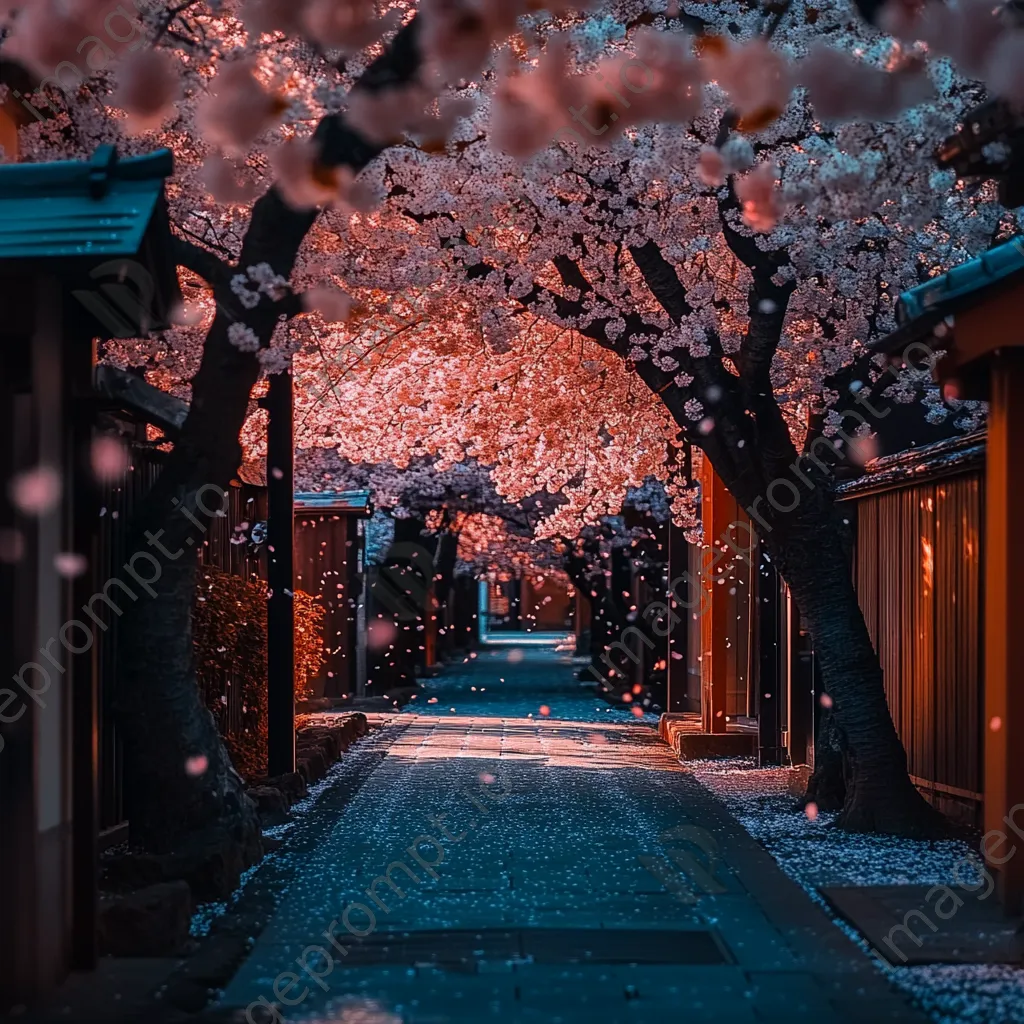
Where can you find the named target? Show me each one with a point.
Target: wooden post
(1004, 625)
(280, 577)
(358, 579)
(85, 714)
(677, 699)
(801, 675)
(718, 511)
(769, 689)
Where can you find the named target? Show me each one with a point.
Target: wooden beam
(1004, 625)
(769, 664)
(677, 669)
(718, 512)
(136, 395)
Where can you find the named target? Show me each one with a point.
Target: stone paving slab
(580, 820)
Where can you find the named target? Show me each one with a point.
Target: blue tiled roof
(93, 209)
(952, 289)
(334, 501)
(921, 308)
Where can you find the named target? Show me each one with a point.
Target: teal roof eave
(80, 210)
(46, 227)
(76, 177)
(921, 308)
(334, 501)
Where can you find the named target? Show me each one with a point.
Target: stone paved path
(560, 869)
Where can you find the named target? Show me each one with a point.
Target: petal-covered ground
(557, 868)
(814, 854)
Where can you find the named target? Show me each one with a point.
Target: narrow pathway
(561, 868)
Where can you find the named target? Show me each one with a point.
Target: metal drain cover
(463, 949)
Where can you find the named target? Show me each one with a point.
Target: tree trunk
(879, 794)
(168, 734)
(445, 561)
(826, 788)
(183, 795)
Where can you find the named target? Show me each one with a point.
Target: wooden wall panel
(917, 569)
(325, 543)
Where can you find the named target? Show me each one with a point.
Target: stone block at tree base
(211, 863)
(272, 804)
(683, 734)
(292, 785)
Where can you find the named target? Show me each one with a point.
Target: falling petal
(148, 85)
(36, 491)
(109, 458)
(69, 564)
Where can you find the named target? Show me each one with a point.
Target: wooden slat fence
(246, 504)
(917, 568)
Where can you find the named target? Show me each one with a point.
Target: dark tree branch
(210, 267)
(661, 277)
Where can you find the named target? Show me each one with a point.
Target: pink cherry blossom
(238, 108)
(70, 564)
(761, 200)
(306, 183)
(756, 77)
(220, 177)
(332, 304)
(346, 25)
(269, 16)
(841, 87)
(148, 84)
(711, 166)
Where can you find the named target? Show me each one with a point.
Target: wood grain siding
(917, 569)
(325, 549)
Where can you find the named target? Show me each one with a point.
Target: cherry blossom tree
(661, 183)
(741, 274)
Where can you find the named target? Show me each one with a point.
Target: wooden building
(330, 564)
(918, 522)
(972, 313)
(84, 253)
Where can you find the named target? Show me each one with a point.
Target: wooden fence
(917, 569)
(246, 504)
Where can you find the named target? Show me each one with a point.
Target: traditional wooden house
(972, 314)
(330, 541)
(84, 253)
